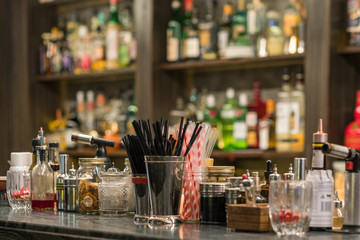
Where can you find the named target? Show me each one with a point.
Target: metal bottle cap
(274, 176)
(299, 168)
(290, 175)
(320, 136)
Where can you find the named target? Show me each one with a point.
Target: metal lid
(210, 187)
(54, 145)
(235, 181)
(42, 147)
(299, 168)
(232, 191)
(91, 160)
(221, 169)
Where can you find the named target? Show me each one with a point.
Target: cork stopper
(320, 136)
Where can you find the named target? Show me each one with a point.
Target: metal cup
(165, 175)
(142, 204)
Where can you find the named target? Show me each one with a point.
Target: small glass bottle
(275, 176)
(338, 215)
(60, 182)
(54, 160)
(266, 184)
(42, 185)
(290, 175)
(35, 143)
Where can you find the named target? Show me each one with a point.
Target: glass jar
(113, 193)
(213, 202)
(220, 173)
(87, 180)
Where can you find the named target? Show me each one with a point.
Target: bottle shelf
(348, 50)
(233, 64)
(107, 75)
(88, 152)
(255, 153)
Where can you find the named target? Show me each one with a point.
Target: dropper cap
(269, 169)
(274, 176)
(320, 136)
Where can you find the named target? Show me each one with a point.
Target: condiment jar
(87, 179)
(212, 202)
(113, 193)
(220, 173)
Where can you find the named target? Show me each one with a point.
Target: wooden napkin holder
(249, 218)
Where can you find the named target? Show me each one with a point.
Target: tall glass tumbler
(290, 206)
(165, 174)
(18, 188)
(142, 202)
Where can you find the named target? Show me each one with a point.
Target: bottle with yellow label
(112, 37)
(291, 20)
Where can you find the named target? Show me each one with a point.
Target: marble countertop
(75, 225)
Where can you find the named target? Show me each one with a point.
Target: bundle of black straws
(153, 140)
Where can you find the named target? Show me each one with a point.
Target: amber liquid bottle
(266, 184)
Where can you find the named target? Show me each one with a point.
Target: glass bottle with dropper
(266, 184)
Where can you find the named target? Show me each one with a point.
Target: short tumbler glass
(290, 204)
(18, 188)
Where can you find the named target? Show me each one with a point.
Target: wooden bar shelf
(348, 50)
(234, 64)
(108, 75)
(255, 153)
(90, 152)
(240, 154)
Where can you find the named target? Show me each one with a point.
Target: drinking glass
(18, 188)
(290, 206)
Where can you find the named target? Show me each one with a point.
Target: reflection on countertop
(73, 225)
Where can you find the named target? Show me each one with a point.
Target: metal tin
(234, 181)
(299, 168)
(60, 191)
(232, 195)
(70, 191)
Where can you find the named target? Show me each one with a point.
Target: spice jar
(220, 173)
(212, 202)
(87, 179)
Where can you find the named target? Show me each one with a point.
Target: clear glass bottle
(228, 119)
(239, 25)
(54, 157)
(112, 37)
(267, 127)
(173, 33)
(35, 143)
(42, 183)
(297, 118)
(125, 36)
(87, 178)
(291, 19)
(224, 33)
(338, 215)
(207, 29)
(190, 34)
(283, 114)
(275, 37)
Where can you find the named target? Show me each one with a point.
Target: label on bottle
(322, 198)
(264, 135)
(251, 18)
(282, 118)
(291, 20)
(252, 139)
(172, 49)
(112, 43)
(205, 38)
(295, 118)
(228, 114)
(60, 186)
(192, 47)
(317, 159)
(239, 130)
(124, 55)
(223, 40)
(251, 119)
(275, 45)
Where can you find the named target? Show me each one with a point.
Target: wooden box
(248, 218)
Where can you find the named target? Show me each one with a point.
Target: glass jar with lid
(220, 173)
(113, 193)
(87, 179)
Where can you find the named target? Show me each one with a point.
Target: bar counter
(61, 225)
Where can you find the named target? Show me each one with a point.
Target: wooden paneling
(317, 68)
